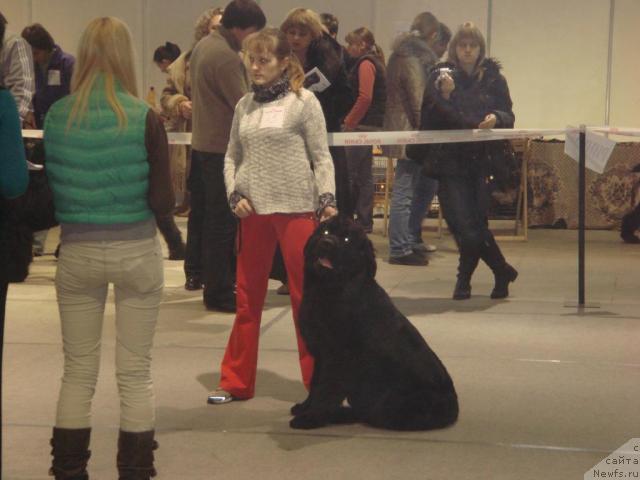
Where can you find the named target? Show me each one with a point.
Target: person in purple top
(53, 70)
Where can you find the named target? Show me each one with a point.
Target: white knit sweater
(282, 165)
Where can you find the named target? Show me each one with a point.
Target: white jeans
(84, 272)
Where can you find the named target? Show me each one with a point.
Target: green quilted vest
(99, 173)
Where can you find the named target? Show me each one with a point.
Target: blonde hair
(467, 31)
(105, 49)
(201, 27)
(363, 34)
(274, 41)
(305, 19)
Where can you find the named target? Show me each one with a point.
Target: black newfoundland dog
(365, 350)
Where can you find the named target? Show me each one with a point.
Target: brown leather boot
(135, 455)
(70, 453)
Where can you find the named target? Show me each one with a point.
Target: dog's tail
(440, 412)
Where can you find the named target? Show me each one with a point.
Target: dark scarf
(275, 91)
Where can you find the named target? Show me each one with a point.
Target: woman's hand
(489, 121)
(186, 108)
(243, 208)
(446, 85)
(327, 213)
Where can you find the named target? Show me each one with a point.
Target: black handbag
(35, 208)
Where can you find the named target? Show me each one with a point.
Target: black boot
(467, 264)
(503, 277)
(462, 290)
(135, 455)
(502, 271)
(70, 453)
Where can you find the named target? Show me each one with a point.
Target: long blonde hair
(274, 41)
(105, 49)
(306, 19)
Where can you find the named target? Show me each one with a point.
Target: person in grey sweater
(280, 180)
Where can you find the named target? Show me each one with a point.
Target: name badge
(54, 78)
(272, 117)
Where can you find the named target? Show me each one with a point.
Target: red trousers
(258, 236)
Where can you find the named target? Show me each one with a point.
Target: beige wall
(554, 53)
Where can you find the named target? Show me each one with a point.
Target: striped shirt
(16, 72)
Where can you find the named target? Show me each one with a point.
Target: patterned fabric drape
(553, 187)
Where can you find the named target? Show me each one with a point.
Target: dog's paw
(307, 422)
(298, 409)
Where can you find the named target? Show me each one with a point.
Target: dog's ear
(370, 258)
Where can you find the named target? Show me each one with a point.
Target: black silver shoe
(219, 396)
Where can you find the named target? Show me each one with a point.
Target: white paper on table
(272, 117)
(598, 149)
(315, 80)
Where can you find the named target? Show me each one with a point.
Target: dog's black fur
(365, 350)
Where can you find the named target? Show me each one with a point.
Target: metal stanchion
(582, 182)
(582, 206)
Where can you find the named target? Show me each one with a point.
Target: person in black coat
(468, 92)
(326, 76)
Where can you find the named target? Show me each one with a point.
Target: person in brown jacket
(218, 81)
(177, 108)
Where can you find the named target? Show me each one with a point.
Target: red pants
(259, 235)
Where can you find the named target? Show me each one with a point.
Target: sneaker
(219, 396)
(424, 248)
(412, 258)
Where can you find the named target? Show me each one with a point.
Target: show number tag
(54, 78)
(272, 117)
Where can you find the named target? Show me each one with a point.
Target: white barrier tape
(346, 139)
(175, 138)
(625, 132)
(435, 136)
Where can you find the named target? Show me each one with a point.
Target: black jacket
(326, 55)
(375, 115)
(472, 100)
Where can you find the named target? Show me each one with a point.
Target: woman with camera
(468, 92)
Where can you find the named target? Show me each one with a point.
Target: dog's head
(339, 250)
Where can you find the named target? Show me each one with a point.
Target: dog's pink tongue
(325, 263)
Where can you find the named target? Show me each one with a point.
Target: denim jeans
(360, 167)
(465, 202)
(211, 229)
(412, 193)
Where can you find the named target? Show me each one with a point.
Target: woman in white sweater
(280, 182)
